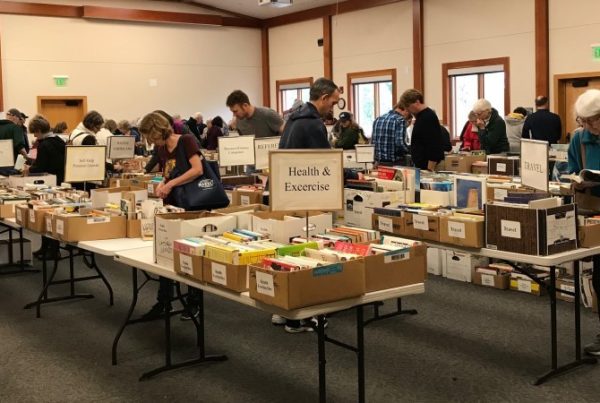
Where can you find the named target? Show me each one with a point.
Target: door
(569, 88)
(67, 109)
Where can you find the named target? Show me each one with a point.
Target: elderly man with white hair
(196, 124)
(584, 153)
(492, 128)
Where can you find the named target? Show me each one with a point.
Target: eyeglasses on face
(588, 121)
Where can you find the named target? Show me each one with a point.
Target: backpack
(362, 139)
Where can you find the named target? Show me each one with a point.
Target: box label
(219, 273)
(48, 224)
(420, 222)
(565, 287)
(524, 285)
(31, 216)
(264, 284)
(510, 229)
(386, 224)
(456, 229)
(60, 227)
(185, 264)
(98, 219)
(500, 194)
(19, 215)
(488, 280)
(327, 270)
(501, 167)
(150, 188)
(245, 200)
(396, 257)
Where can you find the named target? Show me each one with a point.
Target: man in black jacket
(542, 124)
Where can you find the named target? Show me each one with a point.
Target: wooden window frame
(447, 88)
(281, 83)
(367, 74)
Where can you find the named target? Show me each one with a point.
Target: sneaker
(593, 348)
(297, 326)
(156, 312)
(314, 323)
(187, 315)
(278, 320)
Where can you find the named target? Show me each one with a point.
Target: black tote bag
(205, 192)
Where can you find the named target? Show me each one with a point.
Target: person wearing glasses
(491, 128)
(584, 153)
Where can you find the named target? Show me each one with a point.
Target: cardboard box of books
(172, 226)
(437, 197)
(283, 227)
(589, 235)
(479, 168)
(134, 228)
(22, 214)
(388, 224)
(503, 165)
(230, 276)
(522, 283)
(565, 289)
(497, 191)
(460, 266)
(37, 218)
(492, 277)
(461, 162)
(462, 229)
(398, 262)
(238, 180)
(243, 213)
(245, 196)
(8, 203)
(308, 286)
(16, 181)
(50, 222)
(100, 197)
(436, 261)
(359, 204)
(542, 227)
(187, 255)
(421, 225)
(88, 225)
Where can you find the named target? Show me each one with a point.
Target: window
(466, 82)
(371, 95)
(288, 91)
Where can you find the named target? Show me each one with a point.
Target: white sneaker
(278, 320)
(299, 329)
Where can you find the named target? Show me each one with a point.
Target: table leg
(134, 298)
(360, 346)
(322, 360)
(104, 280)
(399, 311)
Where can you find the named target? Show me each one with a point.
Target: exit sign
(596, 52)
(60, 81)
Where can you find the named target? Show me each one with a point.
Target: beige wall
(294, 53)
(374, 39)
(112, 63)
(134, 4)
(466, 31)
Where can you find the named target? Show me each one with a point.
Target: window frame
(447, 85)
(299, 83)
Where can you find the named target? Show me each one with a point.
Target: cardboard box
(298, 289)
(282, 227)
(396, 269)
(531, 231)
(114, 195)
(436, 261)
(460, 266)
(50, 222)
(134, 229)
(527, 286)
(499, 281)
(4, 245)
(359, 204)
(188, 265)
(246, 197)
(173, 226)
(564, 284)
(498, 191)
(229, 276)
(461, 162)
(7, 210)
(37, 219)
(15, 181)
(479, 169)
(22, 214)
(388, 224)
(75, 228)
(437, 198)
(461, 232)
(243, 213)
(503, 165)
(238, 180)
(421, 226)
(589, 235)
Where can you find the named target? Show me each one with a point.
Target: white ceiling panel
(252, 9)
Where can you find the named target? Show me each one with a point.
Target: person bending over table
(51, 159)
(157, 130)
(584, 153)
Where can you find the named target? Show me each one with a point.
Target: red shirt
(470, 139)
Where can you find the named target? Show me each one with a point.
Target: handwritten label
(510, 229)
(420, 222)
(501, 167)
(98, 219)
(487, 280)
(120, 147)
(264, 284)
(456, 229)
(32, 216)
(386, 224)
(524, 285)
(60, 227)
(185, 264)
(19, 215)
(244, 200)
(219, 273)
(500, 194)
(49, 224)
(85, 163)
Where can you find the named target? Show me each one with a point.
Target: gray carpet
(467, 343)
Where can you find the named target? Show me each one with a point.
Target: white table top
(11, 222)
(143, 259)
(108, 247)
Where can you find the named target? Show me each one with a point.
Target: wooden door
(68, 109)
(569, 87)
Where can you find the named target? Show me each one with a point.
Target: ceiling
(252, 9)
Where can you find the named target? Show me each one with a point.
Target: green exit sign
(60, 81)
(596, 50)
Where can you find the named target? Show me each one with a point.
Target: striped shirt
(389, 132)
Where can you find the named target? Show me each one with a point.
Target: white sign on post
(7, 156)
(306, 180)
(121, 147)
(534, 164)
(234, 151)
(85, 163)
(365, 153)
(262, 146)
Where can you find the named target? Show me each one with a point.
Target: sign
(60, 81)
(596, 52)
(85, 163)
(365, 153)
(121, 147)
(306, 180)
(262, 146)
(235, 151)
(7, 156)
(534, 164)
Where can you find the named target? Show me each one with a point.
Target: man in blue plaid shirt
(389, 137)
